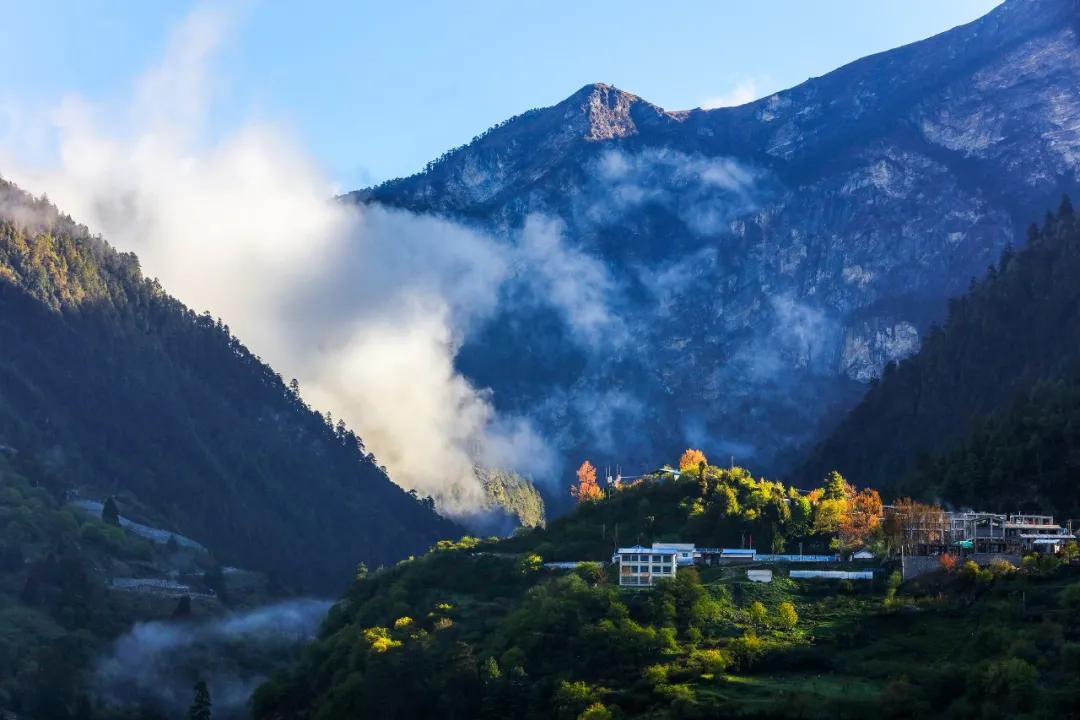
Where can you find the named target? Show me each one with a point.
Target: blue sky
(374, 90)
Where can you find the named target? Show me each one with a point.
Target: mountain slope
(111, 387)
(1007, 351)
(487, 631)
(761, 263)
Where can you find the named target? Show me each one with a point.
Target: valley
(850, 305)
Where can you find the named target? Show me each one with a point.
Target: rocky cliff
(754, 267)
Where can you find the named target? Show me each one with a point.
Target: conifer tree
(200, 706)
(110, 515)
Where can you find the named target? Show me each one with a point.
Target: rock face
(760, 264)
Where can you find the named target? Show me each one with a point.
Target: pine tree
(200, 706)
(110, 515)
(183, 608)
(1065, 209)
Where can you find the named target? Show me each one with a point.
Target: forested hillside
(109, 386)
(485, 630)
(997, 379)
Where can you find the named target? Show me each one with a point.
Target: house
(936, 532)
(643, 567)
(726, 556)
(685, 553)
(863, 554)
(1036, 532)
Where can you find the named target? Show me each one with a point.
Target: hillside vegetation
(484, 630)
(512, 495)
(109, 386)
(55, 610)
(985, 414)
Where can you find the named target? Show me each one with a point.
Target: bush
(592, 573)
(1070, 658)
(530, 563)
(115, 541)
(786, 616)
(746, 650)
(759, 615)
(1011, 679)
(712, 662)
(575, 699)
(1001, 568)
(1041, 564)
(1070, 597)
(655, 675)
(991, 640)
(596, 711)
(379, 640)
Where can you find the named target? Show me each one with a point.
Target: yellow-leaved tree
(692, 460)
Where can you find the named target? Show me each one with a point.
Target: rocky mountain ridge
(763, 262)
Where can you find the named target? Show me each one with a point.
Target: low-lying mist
(156, 664)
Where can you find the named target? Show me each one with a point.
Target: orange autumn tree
(854, 516)
(864, 514)
(692, 460)
(586, 488)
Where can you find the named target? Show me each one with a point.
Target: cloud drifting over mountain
(365, 306)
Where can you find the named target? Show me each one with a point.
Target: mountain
(751, 269)
(987, 412)
(110, 387)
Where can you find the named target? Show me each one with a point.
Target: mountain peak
(602, 90)
(608, 111)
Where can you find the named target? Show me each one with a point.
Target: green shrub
(786, 616)
(114, 541)
(596, 711)
(1011, 680)
(1070, 597)
(746, 650)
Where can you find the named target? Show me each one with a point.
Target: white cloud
(576, 284)
(367, 307)
(706, 193)
(740, 93)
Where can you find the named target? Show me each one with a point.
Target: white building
(643, 567)
(685, 553)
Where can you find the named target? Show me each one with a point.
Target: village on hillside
(925, 537)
